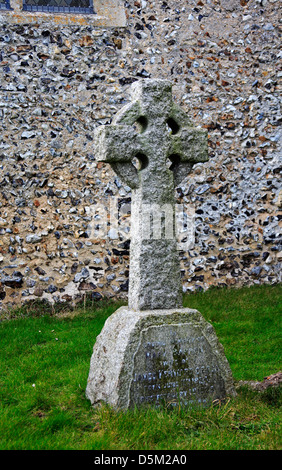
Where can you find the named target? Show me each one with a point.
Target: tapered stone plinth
(158, 356)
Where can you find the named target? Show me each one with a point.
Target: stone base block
(158, 356)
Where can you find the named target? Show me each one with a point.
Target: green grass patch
(248, 324)
(45, 359)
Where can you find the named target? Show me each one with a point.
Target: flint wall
(63, 75)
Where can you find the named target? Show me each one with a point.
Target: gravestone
(155, 351)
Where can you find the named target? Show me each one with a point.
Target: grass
(45, 358)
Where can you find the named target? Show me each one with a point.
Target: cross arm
(190, 145)
(115, 143)
(187, 147)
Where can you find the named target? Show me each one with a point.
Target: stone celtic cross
(152, 146)
(155, 351)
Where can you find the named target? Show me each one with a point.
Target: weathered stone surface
(160, 356)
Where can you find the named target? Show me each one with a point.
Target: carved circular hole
(141, 124)
(140, 161)
(172, 125)
(172, 161)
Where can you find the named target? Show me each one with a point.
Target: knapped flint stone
(14, 281)
(158, 356)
